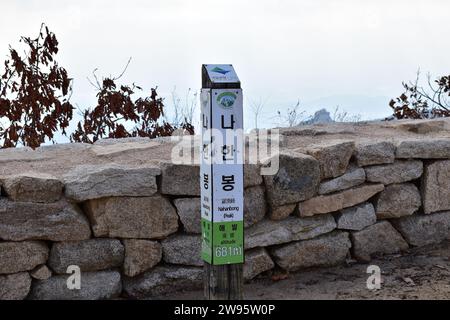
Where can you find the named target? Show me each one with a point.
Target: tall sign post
(221, 182)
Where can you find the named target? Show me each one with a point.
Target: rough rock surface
(172, 174)
(89, 255)
(398, 200)
(360, 194)
(252, 176)
(436, 187)
(321, 204)
(420, 230)
(94, 286)
(58, 221)
(296, 180)
(280, 213)
(99, 181)
(332, 156)
(267, 232)
(256, 261)
(371, 153)
(397, 172)
(22, 256)
(188, 210)
(41, 272)
(15, 286)
(137, 221)
(163, 279)
(254, 205)
(424, 149)
(338, 201)
(380, 238)
(140, 256)
(356, 218)
(33, 187)
(182, 249)
(352, 178)
(59, 159)
(126, 217)
(324, 251)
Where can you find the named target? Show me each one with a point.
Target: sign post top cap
(219, 76)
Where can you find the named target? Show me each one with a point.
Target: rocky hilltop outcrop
(129, 217)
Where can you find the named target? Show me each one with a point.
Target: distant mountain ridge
(369, 107)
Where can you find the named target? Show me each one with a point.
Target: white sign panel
(221, 176)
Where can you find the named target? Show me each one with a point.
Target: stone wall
(129, 218)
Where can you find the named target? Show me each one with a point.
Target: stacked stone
(134, 232)
(126, 236)
(382, 196)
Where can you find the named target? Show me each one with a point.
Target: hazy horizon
(325, 53)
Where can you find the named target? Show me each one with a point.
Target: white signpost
(221, 179)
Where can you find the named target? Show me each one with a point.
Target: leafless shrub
(340, 115)
(291, 117)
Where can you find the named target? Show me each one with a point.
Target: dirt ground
(422, 273)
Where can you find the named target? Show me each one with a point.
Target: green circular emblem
(226, 99)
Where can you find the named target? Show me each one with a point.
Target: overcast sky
(348, 52)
